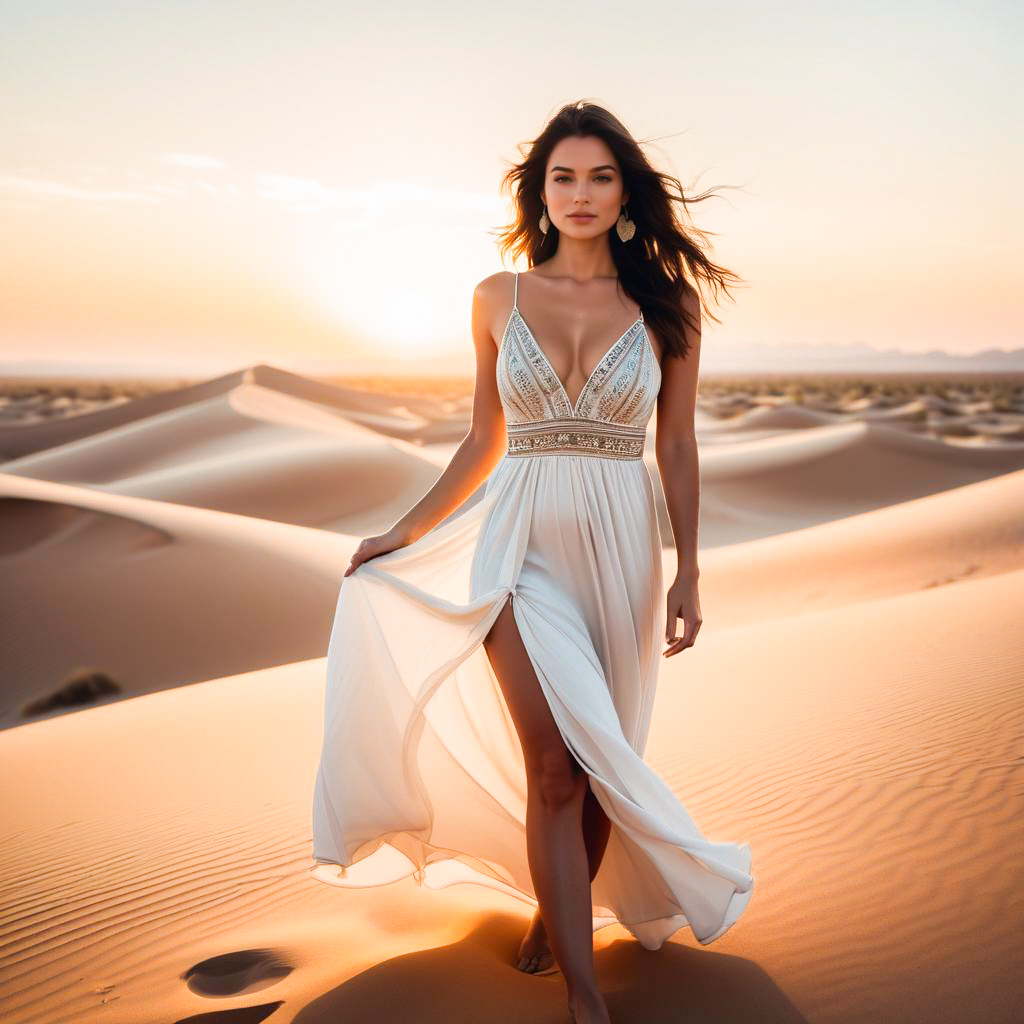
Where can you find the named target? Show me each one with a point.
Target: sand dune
(795, 480)
(253, 450)
(202, 562)
(852, 708)
(866, 771)
(279, 452)
(85, 538)
(394, 415)
(763, 421)
(968, 532)
(17, 440)
(154, 594)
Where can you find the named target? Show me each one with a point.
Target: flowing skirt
(421, 771)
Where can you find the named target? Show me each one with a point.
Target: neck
(581, 260)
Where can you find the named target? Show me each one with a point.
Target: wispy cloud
(293, 194)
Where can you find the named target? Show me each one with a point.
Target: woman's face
(583, 178)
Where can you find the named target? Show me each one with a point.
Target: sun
(402, 289)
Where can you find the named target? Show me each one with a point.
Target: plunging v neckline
(573, 406)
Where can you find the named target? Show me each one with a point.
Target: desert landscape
(171, 554)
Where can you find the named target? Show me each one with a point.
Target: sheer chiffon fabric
(421, 770)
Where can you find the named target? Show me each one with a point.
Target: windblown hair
(653, 265)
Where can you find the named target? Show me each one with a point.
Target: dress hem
(487, 877)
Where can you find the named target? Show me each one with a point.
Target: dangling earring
(624, 227)
(544, 222)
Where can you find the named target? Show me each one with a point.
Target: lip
(582, 216)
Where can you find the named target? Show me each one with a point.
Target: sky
(234, 182)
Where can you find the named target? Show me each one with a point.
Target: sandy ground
(852, 708)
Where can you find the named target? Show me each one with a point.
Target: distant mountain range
(715, 360)
(855, 358)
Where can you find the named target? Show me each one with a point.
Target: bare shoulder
(492, 303)
(692, 324)
(495, 290)
(691, 301)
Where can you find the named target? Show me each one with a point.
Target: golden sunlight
(403, 292)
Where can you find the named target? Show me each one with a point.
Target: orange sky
(257, 181)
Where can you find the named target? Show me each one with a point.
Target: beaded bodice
(622, 389)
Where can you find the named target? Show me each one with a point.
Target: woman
(493, 664)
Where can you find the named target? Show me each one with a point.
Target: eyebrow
(602, 167)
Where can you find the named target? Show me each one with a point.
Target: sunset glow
(241, 182)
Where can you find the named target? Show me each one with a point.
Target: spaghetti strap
(641, 316)
(421, 772)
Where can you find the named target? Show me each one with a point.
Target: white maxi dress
(421, 771)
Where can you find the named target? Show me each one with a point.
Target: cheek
(613, 195)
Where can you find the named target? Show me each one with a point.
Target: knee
(558, 779)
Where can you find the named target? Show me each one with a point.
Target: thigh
(542, 743)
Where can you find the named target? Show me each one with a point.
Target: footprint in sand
(234, 974)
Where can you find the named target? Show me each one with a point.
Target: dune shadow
(475, 979)
(28, 523)
(242, 1015)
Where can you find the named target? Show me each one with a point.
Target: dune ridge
(852, 709)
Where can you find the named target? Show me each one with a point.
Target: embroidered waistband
(576, 436)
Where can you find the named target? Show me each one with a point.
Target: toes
(528, 964)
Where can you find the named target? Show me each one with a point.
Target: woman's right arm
(480, 450)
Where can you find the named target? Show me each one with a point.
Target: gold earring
(544, 222)
(624, 227)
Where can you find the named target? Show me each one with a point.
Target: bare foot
(588, 1008)
(534, 953)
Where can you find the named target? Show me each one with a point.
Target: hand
(683, 603)
(373, 546)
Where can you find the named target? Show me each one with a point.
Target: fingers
(358, 558)
(677, 644)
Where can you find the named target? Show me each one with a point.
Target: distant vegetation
(944, 405)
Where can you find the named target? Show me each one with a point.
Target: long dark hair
(652, 265)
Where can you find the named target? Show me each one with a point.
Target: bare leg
(556, 787)
(535, 951)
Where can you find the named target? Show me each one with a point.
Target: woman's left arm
(679, 467)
